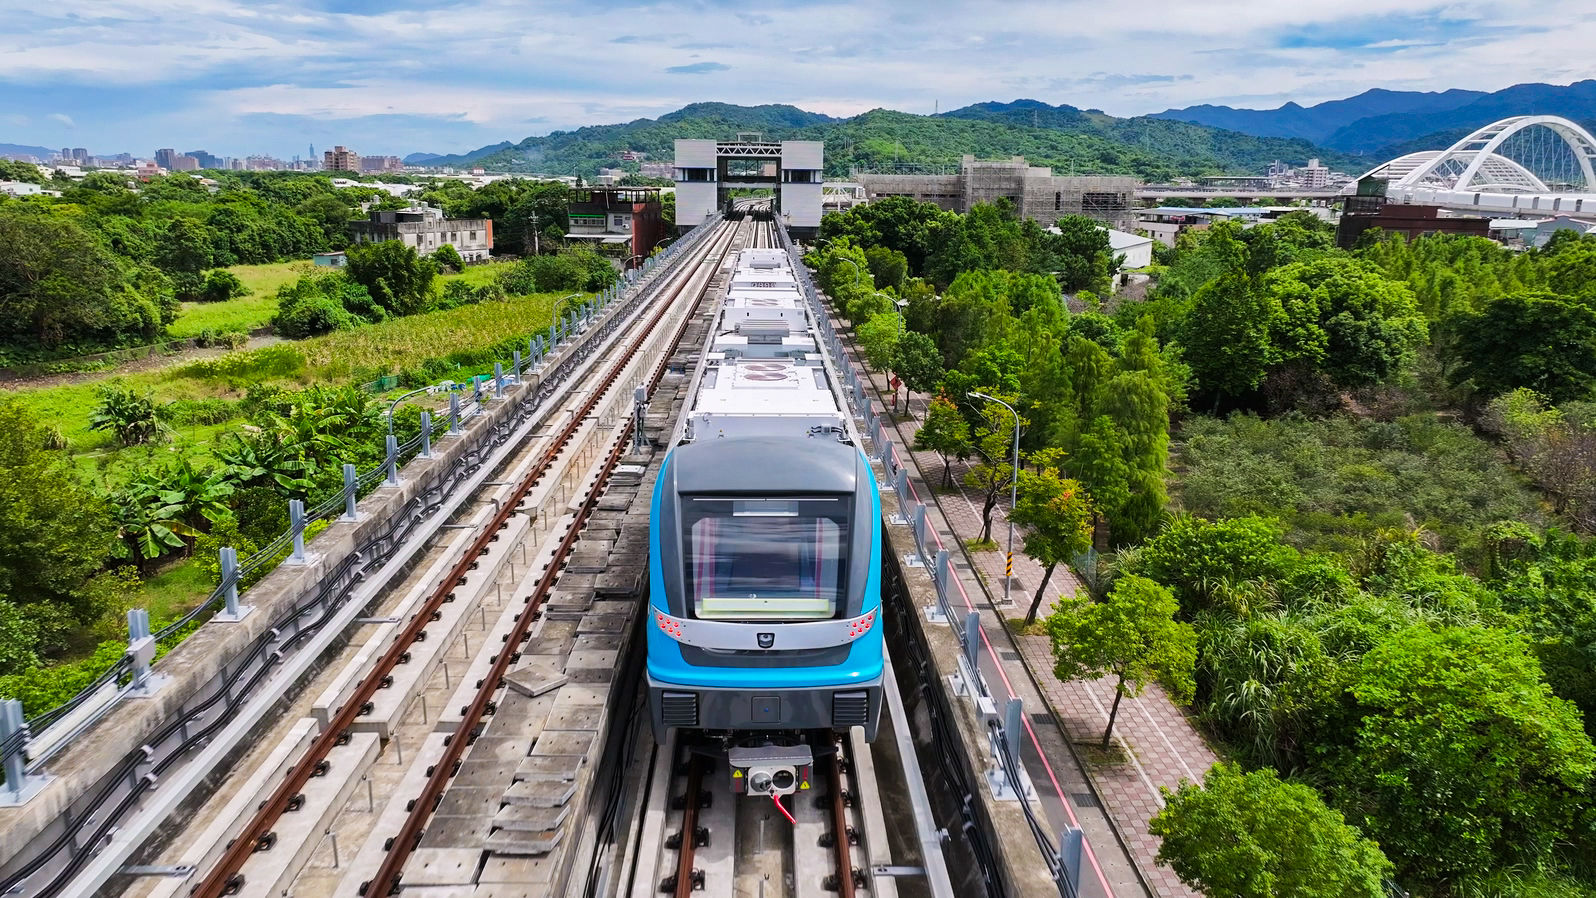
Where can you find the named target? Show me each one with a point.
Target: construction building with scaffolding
(1034, 190)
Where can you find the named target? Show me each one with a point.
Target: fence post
(900, 484)
(391, 465)
(554, 335)
(515, 367)
(454, 412)
(498, 378)
(972, 648)
(1070, 843)
(426, 434)
(231, 611)
(14, 740)
(921, 526)
(351, 492)
(296, 523)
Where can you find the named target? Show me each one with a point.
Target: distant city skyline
(445, 76)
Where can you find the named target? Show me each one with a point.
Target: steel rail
(839, 824)
(386, 880)
(689, 835)
(216, 883)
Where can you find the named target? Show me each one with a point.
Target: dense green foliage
(1066, 138)
(1334, 482)
(1372, 599)
(1249, 835)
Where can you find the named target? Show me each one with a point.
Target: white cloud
(63, 118)
(497, 65)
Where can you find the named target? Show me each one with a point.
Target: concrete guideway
(182, 766)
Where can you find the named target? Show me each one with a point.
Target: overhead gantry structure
(1526, 164)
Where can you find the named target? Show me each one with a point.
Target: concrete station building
(707, 170)
(1034, 190)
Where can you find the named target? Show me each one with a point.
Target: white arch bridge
(1534, 165)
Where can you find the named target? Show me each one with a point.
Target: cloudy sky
(237, 77)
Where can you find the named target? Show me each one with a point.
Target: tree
(878, 340)
(993, 475)
(54, 532)
(59, 284)
(946, 433)
(1132, 636)
(888, 267)
(1081, 253)
(919, 363)
(131, 417)
(1249, 835)
(1344, 317)
(1461, 759)
(319, 304)
(397, 278)
(1057, 515)
(183, 251)
(1535, 340)
(1098, 462)
(1228, 335)
(974, 313)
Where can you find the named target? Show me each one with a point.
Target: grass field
(360, 354)
(256, 309)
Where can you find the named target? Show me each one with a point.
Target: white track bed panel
(204, 851)
(268, 874)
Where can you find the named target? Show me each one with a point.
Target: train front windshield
(766, 559)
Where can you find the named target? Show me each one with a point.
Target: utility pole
(535, 249)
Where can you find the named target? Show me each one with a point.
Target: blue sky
(236, 77)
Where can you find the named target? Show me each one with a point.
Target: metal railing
(1009, 730)
(233, 681)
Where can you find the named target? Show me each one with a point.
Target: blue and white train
(765, 538)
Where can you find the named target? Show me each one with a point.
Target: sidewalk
(1159, 745)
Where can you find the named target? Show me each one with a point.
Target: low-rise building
(425, 229)
(626, 218)
(1164, 223)
(26, 188)
(1133, 250)
(330, 260)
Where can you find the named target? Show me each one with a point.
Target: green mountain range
(1069, 139)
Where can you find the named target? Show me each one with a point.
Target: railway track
(704, 841)
(575, 456)
(829, 839)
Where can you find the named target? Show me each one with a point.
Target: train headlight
(859, 626)
(670, 626)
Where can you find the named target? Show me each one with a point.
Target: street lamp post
(1014, 491)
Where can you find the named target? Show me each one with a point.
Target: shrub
(448, 257)
(131, 416)
(318, 305)
(200, 412)
(220, 286)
